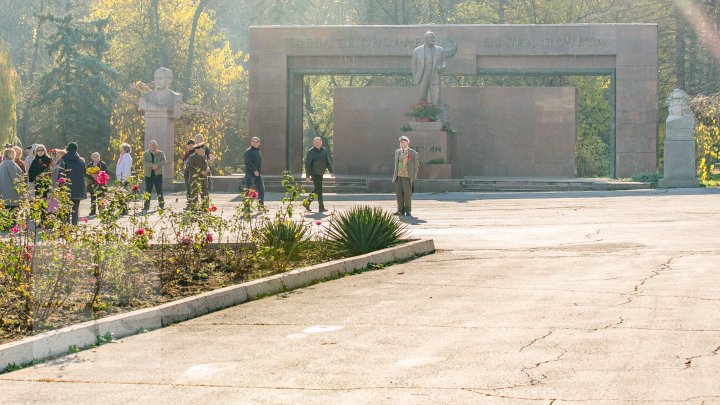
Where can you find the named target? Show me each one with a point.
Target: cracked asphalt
(532, 298)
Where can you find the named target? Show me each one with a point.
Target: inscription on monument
(449, 44)
(545, 42)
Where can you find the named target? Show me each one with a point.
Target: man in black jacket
(316, 162)
(253, 169)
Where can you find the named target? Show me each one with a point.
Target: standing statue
(162, 99)
(428, 62)
(162, 108)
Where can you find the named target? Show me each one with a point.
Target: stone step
(560, 185)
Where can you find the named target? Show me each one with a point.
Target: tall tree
(8, 78)
(191, 48)
(76, 92)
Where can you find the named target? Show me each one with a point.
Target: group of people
(318, 161)
(42, 169)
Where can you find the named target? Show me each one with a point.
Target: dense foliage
(205, 43)
(707, 115)
(364, 229)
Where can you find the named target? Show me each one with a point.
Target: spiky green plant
(287, 236)
(364, 229)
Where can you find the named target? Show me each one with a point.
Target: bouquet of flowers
(424, 111)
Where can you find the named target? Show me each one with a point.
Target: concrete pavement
(548, 298)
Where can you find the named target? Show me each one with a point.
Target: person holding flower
(95, 166)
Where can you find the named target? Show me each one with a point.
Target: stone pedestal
(160, 126)
(680, 166)
(437, 151)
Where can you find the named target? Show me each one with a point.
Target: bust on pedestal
(162, 107)
(680, 167)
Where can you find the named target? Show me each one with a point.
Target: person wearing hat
(198, 171)
(29, 155)
(406, 168)
(73, 169)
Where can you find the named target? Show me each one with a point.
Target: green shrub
(652, 178)
(364, 229)
(286, 236)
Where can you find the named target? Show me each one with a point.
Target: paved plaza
(531, 298)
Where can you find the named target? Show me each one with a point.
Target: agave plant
(364, 229)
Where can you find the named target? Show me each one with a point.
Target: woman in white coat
(124, 164)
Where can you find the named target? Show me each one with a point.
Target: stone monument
(162, 107)
(680, 166)
(437, 148)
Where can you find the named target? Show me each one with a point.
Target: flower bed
(54, 274)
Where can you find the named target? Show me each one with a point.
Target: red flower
(30, 248)
(83, 220)
(212, 208)
(62, 181)
(28, 256)
(140, 232)
(15, 230)
(185, 241)
(318, 223)
(102, 178)
(135, 188)
(209, 237)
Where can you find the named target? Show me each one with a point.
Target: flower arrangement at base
(423, 111)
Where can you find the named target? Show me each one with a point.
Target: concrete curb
(59, 342)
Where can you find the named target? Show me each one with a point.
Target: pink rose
(209, 237)
(318, 223)
(185, 241)
(140, 232)
(212, 208)
(102, 178)
(62, 181)
(83, 220)
(15, 230)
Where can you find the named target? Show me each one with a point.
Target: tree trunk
(501, 11)
(22, 115)
(680, 37)
(155, 29)
(191, 49)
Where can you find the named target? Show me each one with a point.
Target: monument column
(680, 167)
(162, 108)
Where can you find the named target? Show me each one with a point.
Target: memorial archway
(281, 56)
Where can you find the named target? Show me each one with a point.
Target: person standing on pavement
(253, 169)
(317, 162)
(153, 161)
(198, 171)
(406, 168)
(73, 169)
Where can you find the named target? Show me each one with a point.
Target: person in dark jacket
(253, 169)
(39, 171)
(198, 171)
(317, 162)
(73, 169)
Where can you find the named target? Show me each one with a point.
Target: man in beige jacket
(153, 161)
(406, 168)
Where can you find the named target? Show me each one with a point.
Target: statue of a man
(428, 61)
(678, 103)
(162, 99)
